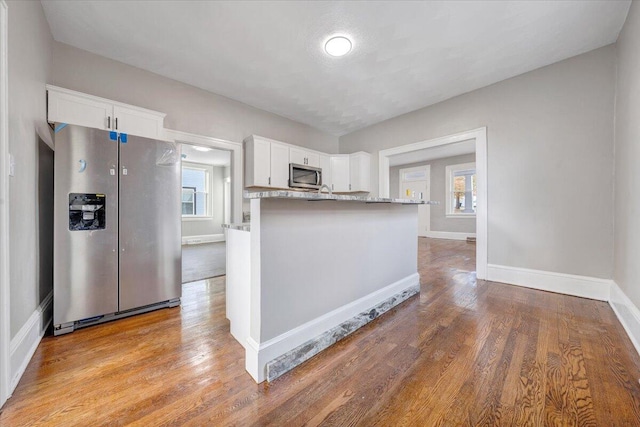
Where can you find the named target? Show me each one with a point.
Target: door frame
(236, 163)
(479, 135)
(427, 195)
(5, 327)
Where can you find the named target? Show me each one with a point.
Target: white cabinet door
(136, 122)
(297, 156)
(325, 165)
(340, 173)
(360, 172)
(301, 156)
(313, 159)
(77, 110)
(279, 165)
(257, 162)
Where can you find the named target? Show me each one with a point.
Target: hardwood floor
(460, 353)
(203, 261)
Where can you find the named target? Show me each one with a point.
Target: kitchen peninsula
(312, 268)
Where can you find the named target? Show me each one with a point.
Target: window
(188, 200)
(461, 190)
(195, 192)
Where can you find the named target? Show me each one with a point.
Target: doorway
(415, 185)
(233, 173)
(476, 137)
(205, 206)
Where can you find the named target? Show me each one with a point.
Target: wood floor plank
(463, 352)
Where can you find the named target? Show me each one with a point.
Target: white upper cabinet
(76, 108)
(64, 107)
(137, 121)
(279, 165)
(266, 163)
(257, 167)
(340, 173)
(325, 165)
(360, 172)
(301, 156)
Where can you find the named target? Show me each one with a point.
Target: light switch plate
(12, 165)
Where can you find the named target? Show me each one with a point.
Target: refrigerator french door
(117, 248)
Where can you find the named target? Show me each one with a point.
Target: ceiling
(212, 157)
(406, 55)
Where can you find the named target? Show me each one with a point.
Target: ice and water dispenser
(87, 211)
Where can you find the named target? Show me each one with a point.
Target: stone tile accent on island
(304, 352)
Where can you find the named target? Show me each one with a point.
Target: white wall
(188, 108)
(303, 277)
(550, 161)
(438, 183)
(30, 45)
(627, 158)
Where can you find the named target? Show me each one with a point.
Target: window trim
(449, 171)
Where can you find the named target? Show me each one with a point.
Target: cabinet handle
(269, 180)
(349, 187)
(108, 122)
(332, 187)
(116, 123)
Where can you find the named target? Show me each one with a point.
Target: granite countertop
(243, 226)
(308, 195)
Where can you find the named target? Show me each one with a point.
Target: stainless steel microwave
(303, 176)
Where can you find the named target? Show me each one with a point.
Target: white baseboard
(450, 235)
(569, 284)
(205, 238)
(627, 313)
(259, 354)
(26, 341)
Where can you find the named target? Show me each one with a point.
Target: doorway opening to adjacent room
(460, 164)
(205, 206)
(211, 196)
(415, 184)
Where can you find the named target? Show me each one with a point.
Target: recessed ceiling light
(337, 46)
(201, 148)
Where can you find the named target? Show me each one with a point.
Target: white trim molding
(5, 327)
(449, 235)
(627, 313)
(480, 137)
(259, 354)
(26, 341)
(569, 284)
(204, 238)
(236, 163)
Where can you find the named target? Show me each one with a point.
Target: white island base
(311, 271)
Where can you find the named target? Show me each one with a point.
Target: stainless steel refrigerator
(117, 226)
